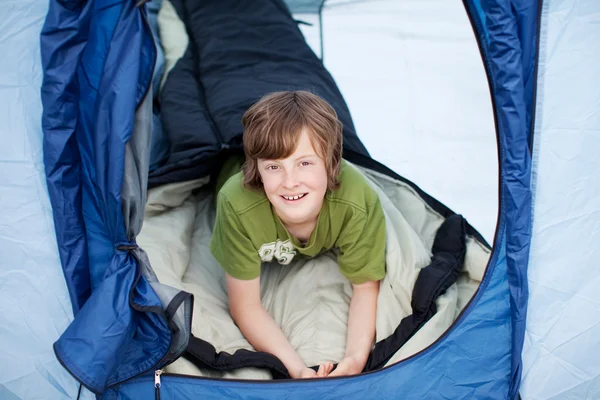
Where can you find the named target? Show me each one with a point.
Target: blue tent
(73, 189)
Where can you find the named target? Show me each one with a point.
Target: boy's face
(295, 185)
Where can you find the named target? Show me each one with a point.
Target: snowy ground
(412, 75)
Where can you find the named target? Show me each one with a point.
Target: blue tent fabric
(513, 107)
(119, 332)
(159, 148)
(152, 9)
(91, 53)
(61, 154)
(528, 25)
(502, 46)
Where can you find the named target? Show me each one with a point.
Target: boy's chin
(294, 217)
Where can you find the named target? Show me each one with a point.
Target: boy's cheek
(270, 187)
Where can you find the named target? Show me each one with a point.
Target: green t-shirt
(248, 231)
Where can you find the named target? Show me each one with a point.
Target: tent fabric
(61, 155)
(561, 340)
(225, 70)
(159, 149)
(97, 167)
(512, 101)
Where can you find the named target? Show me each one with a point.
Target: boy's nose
(290, 180)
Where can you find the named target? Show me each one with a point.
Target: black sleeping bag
(238, 52)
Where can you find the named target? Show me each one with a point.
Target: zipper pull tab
(157, 374)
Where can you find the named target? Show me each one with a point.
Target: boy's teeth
(293, 197)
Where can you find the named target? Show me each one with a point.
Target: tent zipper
(157, 383)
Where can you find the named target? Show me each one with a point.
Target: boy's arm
(259, 328)
(361, 329)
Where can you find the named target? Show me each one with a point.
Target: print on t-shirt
(283, 251)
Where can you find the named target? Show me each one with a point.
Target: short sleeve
(230, 244)
(362, 246)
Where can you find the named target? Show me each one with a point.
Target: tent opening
(401, 70)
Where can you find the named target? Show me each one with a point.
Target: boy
(296, 196)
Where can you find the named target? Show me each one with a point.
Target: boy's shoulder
(354, 189)
(240, 198)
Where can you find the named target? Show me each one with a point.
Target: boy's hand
(304, 373)
(324, 369)
(348, 366)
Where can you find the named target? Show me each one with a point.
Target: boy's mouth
(294, 198)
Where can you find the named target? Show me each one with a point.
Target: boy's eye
(272, 167)
(305, 163)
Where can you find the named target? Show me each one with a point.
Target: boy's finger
(320, 371)
(329, 368)
(339, 371)
(325, 369)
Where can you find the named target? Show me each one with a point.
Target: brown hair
(273, 125)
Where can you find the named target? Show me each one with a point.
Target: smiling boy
(296, 197)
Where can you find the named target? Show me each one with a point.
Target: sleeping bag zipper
(157, 383)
